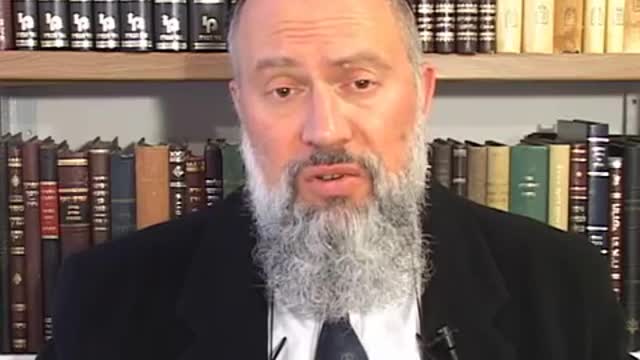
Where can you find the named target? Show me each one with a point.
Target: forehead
(316, 29)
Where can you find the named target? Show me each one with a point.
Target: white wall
(503, 111)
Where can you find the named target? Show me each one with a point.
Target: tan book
(498, 169)
(477, 172)
(631, 27)
(509, 26)
(559, 162)
(614, 42)
(152, 184)
(567, 31)
(594, 26)
(538, 26)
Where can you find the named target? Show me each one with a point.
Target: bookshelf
(26, 67)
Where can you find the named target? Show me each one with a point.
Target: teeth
(330, 177)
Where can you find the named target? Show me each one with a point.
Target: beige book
(632, 26)
(509, 26)
(568, 24)
(614, 42)
(477, 173)
(152, 184)
(498, 166)
(538, 26)
(559, 162)
(594, 26)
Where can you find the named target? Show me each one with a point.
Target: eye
(283, 92)
(362, 84)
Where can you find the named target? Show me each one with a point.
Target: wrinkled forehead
(312, 29)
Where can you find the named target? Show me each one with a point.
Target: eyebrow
(358, 58)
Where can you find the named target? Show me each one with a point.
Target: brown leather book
(466, 26)
(33, 242)
(196, 199)
(177, 174)
(477, 172)
(568, 25)
(631, 36)
(100, 180)
(152, 184)
(17, 261)
(213, 172)
(75, 208)
(49, 228)
(578, 187)
(6, 25)
(5, 307)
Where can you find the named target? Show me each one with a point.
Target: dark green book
(232, 167)
(529, 178)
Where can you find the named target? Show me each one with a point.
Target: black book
(596, 134)
(82, 24)
(466, 26)
(425, 18)
(106, 14)
(136, 25)
(487, 26)
(123, 192)
(208, 25)
(213, 179)
(445, 26)
(442, 161)
(53, 24)
(25, 24)
(170, 25)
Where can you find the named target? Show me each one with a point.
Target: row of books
(445, 26)
(56, 201)
(578, 178)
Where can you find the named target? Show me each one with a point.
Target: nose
(325, 124)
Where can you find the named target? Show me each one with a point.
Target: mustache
(333, 157)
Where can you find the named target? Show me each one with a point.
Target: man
(340, 247)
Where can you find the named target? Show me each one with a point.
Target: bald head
(402, 14)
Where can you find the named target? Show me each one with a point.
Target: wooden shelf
(26, 67)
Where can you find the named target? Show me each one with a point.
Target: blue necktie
(338, 341)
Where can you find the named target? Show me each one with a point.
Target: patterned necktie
(338, 341)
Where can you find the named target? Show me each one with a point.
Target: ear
(428, 78)
(234, 89)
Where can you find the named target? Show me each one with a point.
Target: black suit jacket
(513, 288)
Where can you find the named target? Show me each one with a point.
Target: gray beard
(326, 262)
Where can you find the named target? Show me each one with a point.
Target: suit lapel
(223, 300)
(466, 290)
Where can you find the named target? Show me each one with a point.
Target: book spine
(50, 232)
(33, 245)
(136, 18)
(54, 24)
(123, 195)
(459, 170)
(17, 261)
(559, 164)
(425, 17)
(208, 24)
(232, 168)
(598, 176)
(615, 211)
(99, 166)
(213, 174)
(614, 29)
(487, 26)
(106, 14)
(442, 163)
(445, 26)
(75, 218)
(578, 188)
(567, 31)
(594, 26)
(82, 25)
(152, 185)
(509, 26)
(538, 26)
(195, 184)
(477, 174)
(5, 313)
(529, 179)
(177, 184)
(631, 37)
(631, 244)
(498, 183)
(466, 32)
(7, 41)
(170, 25)
(26, 29)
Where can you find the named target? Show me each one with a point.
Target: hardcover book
(123, 192)
(509, 26)
(6, 25)
(100, 185)
(82, 24)
(5, 278)
(106, 15)
(170, 25)
(567, 31)
(529, 179)
(136, 20)
(425, 17)
(25, 26)
(54, 24)
(466, 32)
(487, 26)
(208, 24)
(538, 26)
(213, 181)
(152, 184)
(177, 183)
(445, 26)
